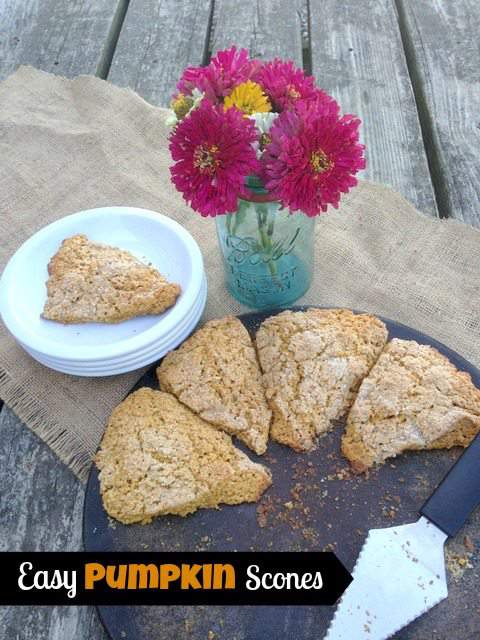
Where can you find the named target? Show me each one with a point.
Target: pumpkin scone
(93, 282)
(157, 458)
(216, 374)
(313, 362)
(413, 398)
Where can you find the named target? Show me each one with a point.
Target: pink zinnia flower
(285, 84)
(313, 156)
(226, 70)
(213, 154)
(192, 78)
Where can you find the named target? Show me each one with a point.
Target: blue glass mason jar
(267, 251)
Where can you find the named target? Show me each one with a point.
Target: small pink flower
(313, 156)
(192, 78)
(213, 154)
(285, 84)
(226, 70)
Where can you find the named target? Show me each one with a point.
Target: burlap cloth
(71, 145)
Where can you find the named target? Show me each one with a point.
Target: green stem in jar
(265, 230)
(229, 223)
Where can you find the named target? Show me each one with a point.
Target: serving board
(314, 503)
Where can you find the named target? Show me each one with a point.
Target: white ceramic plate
(136, 363)
(149, 236)
(130, 357)
(129, 362)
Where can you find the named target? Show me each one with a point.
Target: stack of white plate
(97, 349)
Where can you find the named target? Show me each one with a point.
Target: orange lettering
(207, 576)
(94, 571)
(143, 576)
(118, 581)
(168, 573)
(189, 576)
(220, 570)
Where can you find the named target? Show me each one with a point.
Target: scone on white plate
(93, 282)
(216, 374)
(313, 362)
(157, 458)
(413, 398)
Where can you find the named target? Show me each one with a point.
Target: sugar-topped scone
(157, 458)
(215, 373)
(92, 282)
(413, 398)
(313, 362)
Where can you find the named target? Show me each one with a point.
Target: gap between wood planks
(105, 62)
(207, 53)
(424, 116)
(304, 15)
(307, 39)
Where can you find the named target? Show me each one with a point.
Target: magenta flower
(313, 156)
(192, 78)
(213, 153)
(226, 70)
(284, 84)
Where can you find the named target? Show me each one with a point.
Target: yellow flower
(249, 98)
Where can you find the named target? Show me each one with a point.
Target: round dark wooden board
(314, 503)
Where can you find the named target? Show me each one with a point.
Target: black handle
(458, 493)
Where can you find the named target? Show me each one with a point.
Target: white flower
(171, 119)
(263, 122)
(197, 96)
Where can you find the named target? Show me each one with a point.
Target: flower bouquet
(260, 147)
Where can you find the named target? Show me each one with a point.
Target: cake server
(400, 572)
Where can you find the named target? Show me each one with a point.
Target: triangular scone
(215, 373)
(91, 282)
(413, 398)
(313, 362)
(158, 458)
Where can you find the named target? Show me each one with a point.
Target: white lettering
(256, 581)
(289, 580)
(41, 580)
(22, 576)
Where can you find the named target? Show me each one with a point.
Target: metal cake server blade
(400, 572)
(399, 575)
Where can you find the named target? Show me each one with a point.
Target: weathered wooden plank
(442, 44)
(158, 40)
(62, 37)
(40, 510)
(267, 29)
(41, 501)
(357, 56)
(51, 623)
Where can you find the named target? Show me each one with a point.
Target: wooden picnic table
(409, 69)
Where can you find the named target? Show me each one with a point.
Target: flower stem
(229, 224)
(265, 229)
